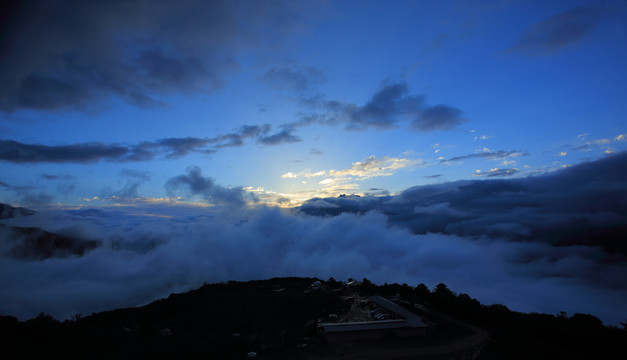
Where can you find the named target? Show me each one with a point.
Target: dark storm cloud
(559, 31)
(299, 79)
(584, 204)
(490, 155)
(196, 184)
(438, 117)
(72, 54)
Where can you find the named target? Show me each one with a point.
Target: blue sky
(542, 83)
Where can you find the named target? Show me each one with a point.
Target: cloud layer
(72, 55)
(584, 204)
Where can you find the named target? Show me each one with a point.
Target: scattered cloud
(29, 195)
(482, 137)
(13, 151)
(304, 173)
(336, 182)
(438, 117)
(389, 106)
(373, 166)
(603, 144)
(377, 192)
(361, 170)
(300, 79)
(56, 177)
(194, 183)
(561, 30)
(285, 136)
(439, 41)
(169, 148)
(487, 154)
(600, 142)
(383, 110)
(66, 183)
(129, 188)
(496, 172)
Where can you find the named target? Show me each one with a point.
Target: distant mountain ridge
(8, 211)
(31, 243)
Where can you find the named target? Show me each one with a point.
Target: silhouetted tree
(442, 295)
(367, 286)
(423, 292)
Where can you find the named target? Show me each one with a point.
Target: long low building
(409, 325)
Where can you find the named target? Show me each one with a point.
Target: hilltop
(278, 318)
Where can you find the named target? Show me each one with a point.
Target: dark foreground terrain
(277, 319)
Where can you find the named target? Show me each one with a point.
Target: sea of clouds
(144, 257)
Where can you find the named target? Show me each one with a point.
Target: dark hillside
(277, 319)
